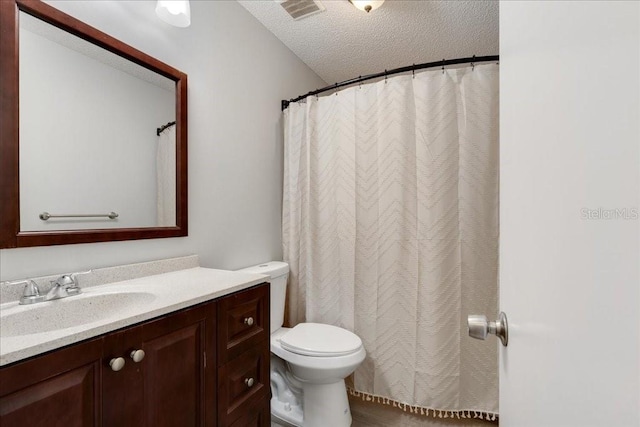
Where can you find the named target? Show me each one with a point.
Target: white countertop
(160, 294)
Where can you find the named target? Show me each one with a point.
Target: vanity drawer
(258, 418)
(243, 387)
(243, 322)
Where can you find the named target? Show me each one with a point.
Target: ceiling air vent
(299, 9)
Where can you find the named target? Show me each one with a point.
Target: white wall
(81, 108)
(238, 72)
(569, 224)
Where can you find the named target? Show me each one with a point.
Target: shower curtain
(166, 178)
(390, 226)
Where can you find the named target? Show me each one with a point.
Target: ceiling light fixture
(367, 5)
(174, 12)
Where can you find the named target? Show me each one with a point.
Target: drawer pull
(137, 355)
(249, 382)
(248, 321)
(116, 364)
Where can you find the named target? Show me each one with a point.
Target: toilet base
(326, 405)
(323, 405)
(285, 414)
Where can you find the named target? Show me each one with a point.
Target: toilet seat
(320, 340)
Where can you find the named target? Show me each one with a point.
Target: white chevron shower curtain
(390, 226)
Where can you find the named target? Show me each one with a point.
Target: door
(61, 388)
(122, 386)
(570, 199)
(166, 375)
(178, 369)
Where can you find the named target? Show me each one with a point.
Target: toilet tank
(278, 272)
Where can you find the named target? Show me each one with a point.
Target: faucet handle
(64, 280)
(69, 280)
(65, 286)
(74, 276)
(31, 293)
(74, 289)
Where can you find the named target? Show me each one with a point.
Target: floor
(374, 415)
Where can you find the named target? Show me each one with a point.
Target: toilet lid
(316, 339)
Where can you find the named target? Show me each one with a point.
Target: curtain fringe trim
(420, 410)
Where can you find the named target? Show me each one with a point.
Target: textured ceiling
(344, 42)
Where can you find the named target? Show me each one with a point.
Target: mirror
(95, 136)
(106, 159)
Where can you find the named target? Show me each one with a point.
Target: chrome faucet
(65, 286)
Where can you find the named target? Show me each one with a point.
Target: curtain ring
(336, 89)
(442, 65)
(413, 72)
(360, 82)
(473, 66)
(385, 76)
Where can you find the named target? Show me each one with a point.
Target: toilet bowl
(309, 363)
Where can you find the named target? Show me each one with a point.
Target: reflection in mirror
(89, 143)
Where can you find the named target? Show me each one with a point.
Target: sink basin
(68, 312)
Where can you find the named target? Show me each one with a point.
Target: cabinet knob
(249, 382)
(137, 355)
(116, 363)
(248, 321)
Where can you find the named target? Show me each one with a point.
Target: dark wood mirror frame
(10, 234)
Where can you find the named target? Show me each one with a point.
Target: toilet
(309, 363)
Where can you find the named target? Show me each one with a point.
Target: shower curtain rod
(385, 73)
(163, 127)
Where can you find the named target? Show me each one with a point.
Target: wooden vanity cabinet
(179, 382)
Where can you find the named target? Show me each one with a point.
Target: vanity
(179, 347)
(192, 349)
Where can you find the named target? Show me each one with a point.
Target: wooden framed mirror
(81, 135)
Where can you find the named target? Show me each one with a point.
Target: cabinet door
(174, 383)
(179, 369)
(58, 389)
(122, 392)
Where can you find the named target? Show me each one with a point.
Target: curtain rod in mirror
(163, 127)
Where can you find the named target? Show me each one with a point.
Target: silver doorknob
(479, 327)
(248, 321)
(249, 382)
(137, 355)
(116, 363)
